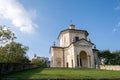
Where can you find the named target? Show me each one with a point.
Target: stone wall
(6, 68)
(110, 67)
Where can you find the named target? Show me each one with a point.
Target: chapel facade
(74, 51)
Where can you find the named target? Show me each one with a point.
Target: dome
(71, 26)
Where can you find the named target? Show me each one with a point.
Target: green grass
(65, 73)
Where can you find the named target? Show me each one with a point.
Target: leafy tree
(112, 58)
(116, 59)
(13, 52)
(6, 34)
(38, 62)
(104, 56)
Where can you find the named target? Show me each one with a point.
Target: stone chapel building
(74, 51)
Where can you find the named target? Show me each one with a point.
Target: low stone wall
(110, 67)
(6, 68)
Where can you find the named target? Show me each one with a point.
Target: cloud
(115, 29)
(33, 12)
(119, 24)
(13, 11)
(117, 8)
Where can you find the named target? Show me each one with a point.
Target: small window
(76, 38)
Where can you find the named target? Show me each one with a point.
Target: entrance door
(67, 64)
(83, 59)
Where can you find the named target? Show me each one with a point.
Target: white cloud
(13, 11)
(117, 27)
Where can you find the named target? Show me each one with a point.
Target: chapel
(75, 50)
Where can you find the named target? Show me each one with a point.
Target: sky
(37, 23)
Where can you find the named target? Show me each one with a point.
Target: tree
(116, 59)
(107, 57)
(6, 34)
(38, 62)
(104, 56)
(13, 52)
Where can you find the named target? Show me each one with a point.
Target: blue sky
(37, 23)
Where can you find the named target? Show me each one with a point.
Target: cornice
(73, 30)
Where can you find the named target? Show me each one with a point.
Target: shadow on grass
(57, 74)
(26, 73)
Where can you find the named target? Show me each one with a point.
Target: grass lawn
(64, 73)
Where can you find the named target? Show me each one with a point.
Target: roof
(59, 47)
(80, 40)
(71, 44)
(95, 49)
(56, 47)
(87, 41)
(77, 30)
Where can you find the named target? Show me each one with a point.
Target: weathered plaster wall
(110, 67)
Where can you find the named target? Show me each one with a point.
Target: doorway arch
(58, 62)
(83, 59)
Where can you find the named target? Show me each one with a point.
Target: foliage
(112, 58)
(38, 62)
(6, 34)
(65, 73)
(13, 52)
(116, 60)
